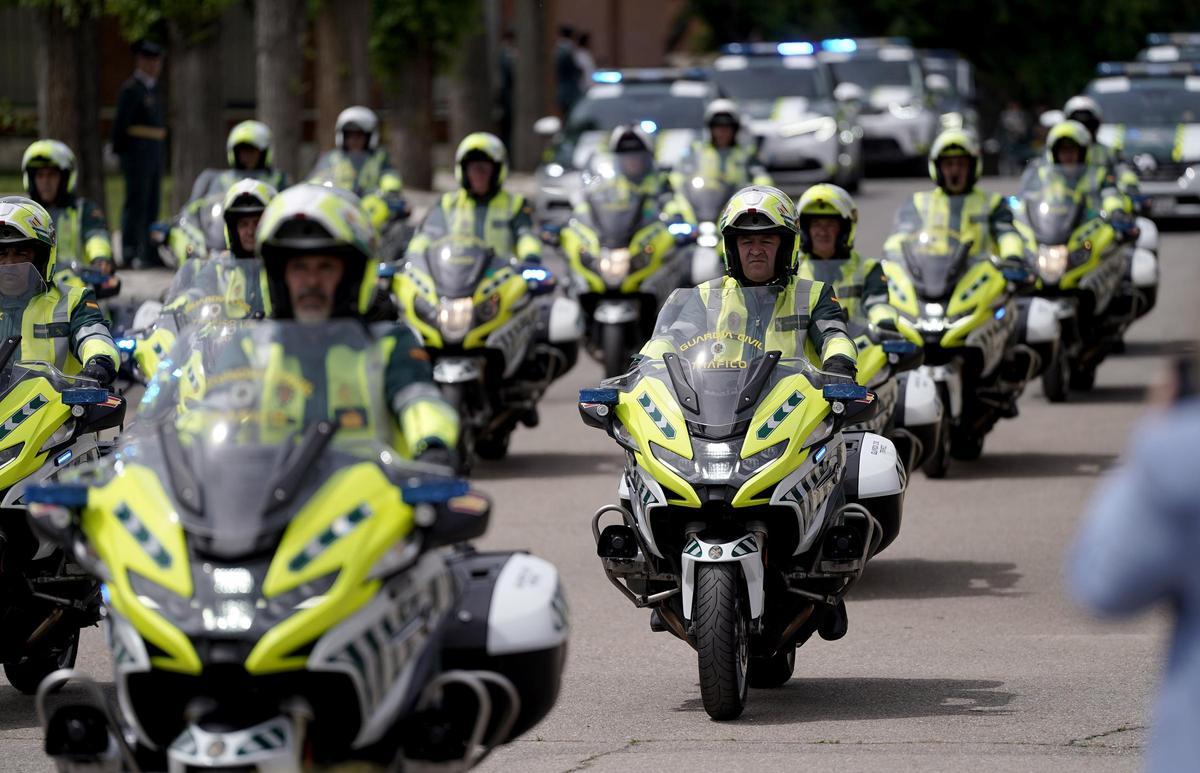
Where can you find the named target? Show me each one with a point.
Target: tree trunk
(278, 26)
(342, 37)
(58, 110)
(530, 83)
(196, 131)
(471, 96)
(90, 152)
(409, 99)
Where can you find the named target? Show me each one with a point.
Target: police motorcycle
(282, 589)
(623, 263)
(967, 314)
(1083, 269)
(746, 513)
(704, 195)
(196, 232)
(478, 314)
(49, 422)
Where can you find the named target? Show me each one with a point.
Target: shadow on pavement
(1115, 393)
(563, 464)
(917, 578)
(823, 700)
(1031, 465)
(1157, 348)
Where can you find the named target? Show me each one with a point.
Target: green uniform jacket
(361, 173)
(64, 329)
(982, 218)
(504, 222)
(81, 232)
(860, 284)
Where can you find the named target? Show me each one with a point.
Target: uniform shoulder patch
(417, 353)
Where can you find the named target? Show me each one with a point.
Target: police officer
(956, 204)
(481, 207)
(64, 328)
(248, 149)
(137, 138)
(1086, 111)
(828, 221)
(1067, 156)
(48, 173)
(317, 245)
(722, 157)
(357, 163)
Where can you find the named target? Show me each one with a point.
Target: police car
(1171, 47)
(668, 103)
(951, 82)
(897, 117)
(1151, 114)
(785, 95)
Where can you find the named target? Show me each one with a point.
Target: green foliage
(400, 28)
(141, 18)
(1030, 50)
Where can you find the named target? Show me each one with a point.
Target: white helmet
(1085, 110)
(357, 117)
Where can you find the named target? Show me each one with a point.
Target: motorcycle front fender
(744, 550)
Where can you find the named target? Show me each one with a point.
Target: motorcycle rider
(481, 207)
(64, 327)
(317, 245)
(1066, 163)
(828, 220)
(984, 219)
(1086, 111)
(721, 157)
(357, 163)
(48, 173)
(248, 149)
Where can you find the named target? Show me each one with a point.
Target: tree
(342, 37)
(531, 83)
(278, 29)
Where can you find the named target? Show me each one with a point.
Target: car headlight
(905, 112)
(952, 120)
(1052, 262)
(821, 129)
(554, 170)
(755, 462)
(454, 318)
(614, 265)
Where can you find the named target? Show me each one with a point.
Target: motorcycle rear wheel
(722, 633)
(1056, 381)
(938, 463)
(29, 673)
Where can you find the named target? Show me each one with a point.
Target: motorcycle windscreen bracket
(744, 550)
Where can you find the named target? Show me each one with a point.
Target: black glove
(840, 369)
(101, 369)
(888, 324)
(436, 453)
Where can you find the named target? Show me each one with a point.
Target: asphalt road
(963, 651)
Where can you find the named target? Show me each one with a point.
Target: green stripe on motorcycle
(24, 412)
(780, 414)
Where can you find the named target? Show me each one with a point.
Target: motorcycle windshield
(707, 197)
(248, 422)
(20, 283)
(724, 346)
(1054, 201)
(936, 260)
(617, 207)
(220, 288)
(457, 263)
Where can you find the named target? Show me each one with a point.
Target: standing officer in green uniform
(139, 132)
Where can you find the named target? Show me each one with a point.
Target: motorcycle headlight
(1052, 262)
(708, 235)
(614, 265)
(9, 455)
(454, 318)
(820, 129)
(681, 465)
(755, 462)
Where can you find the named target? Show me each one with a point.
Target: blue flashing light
(127, 344)
(62, 494)
(63, 458)
(1000, 312)
(844, 392)
(599, 396)
(606, 76)
(680, 229)
(434, 492)
(649, 126)
(839, 45)
(386, 270)
(797, 48)
(899, 347)
(535, 275)
(734, 48)
(84, 396)
(820, 454)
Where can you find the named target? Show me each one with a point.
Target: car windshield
(1150, 102)
(724, 346)
(1055, 199)
(605, 107)
(769, 80)
(871, 73)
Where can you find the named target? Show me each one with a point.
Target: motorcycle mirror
(84, 396)
(459, 519)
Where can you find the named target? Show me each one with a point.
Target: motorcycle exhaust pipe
(46, 626)
(794, 626)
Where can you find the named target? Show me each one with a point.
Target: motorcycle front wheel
(29, 673)
(722, 633)
(612, 343)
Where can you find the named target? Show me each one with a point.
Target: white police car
(785, 95)
(897, 117)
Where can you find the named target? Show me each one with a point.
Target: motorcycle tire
(612, 343)
(772, 671)
(493, 448)
(456, 397)
(938, 463)
(722, 633)
(29, 673)
(1083, 379)
(1056, 381)
(966, 446)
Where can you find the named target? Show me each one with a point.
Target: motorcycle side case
(919, 404)
(511, 619)
(1039, 320)
(1147, 234)
(875, 478)
(566, 321)
(1144, 268)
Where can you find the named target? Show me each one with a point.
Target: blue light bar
(434, 492)
(839, 45)
(844, 392)
(83, 396)
(535, 275)
(1000, 312)
(127, 344)
(649, 126)
(62, 494)
(798, 48)
(899, 347)
(820, 454)
(1148, 69)
(63, 458)
(599, 396)
(606, 76)
(680, 229)
(1173, 39)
